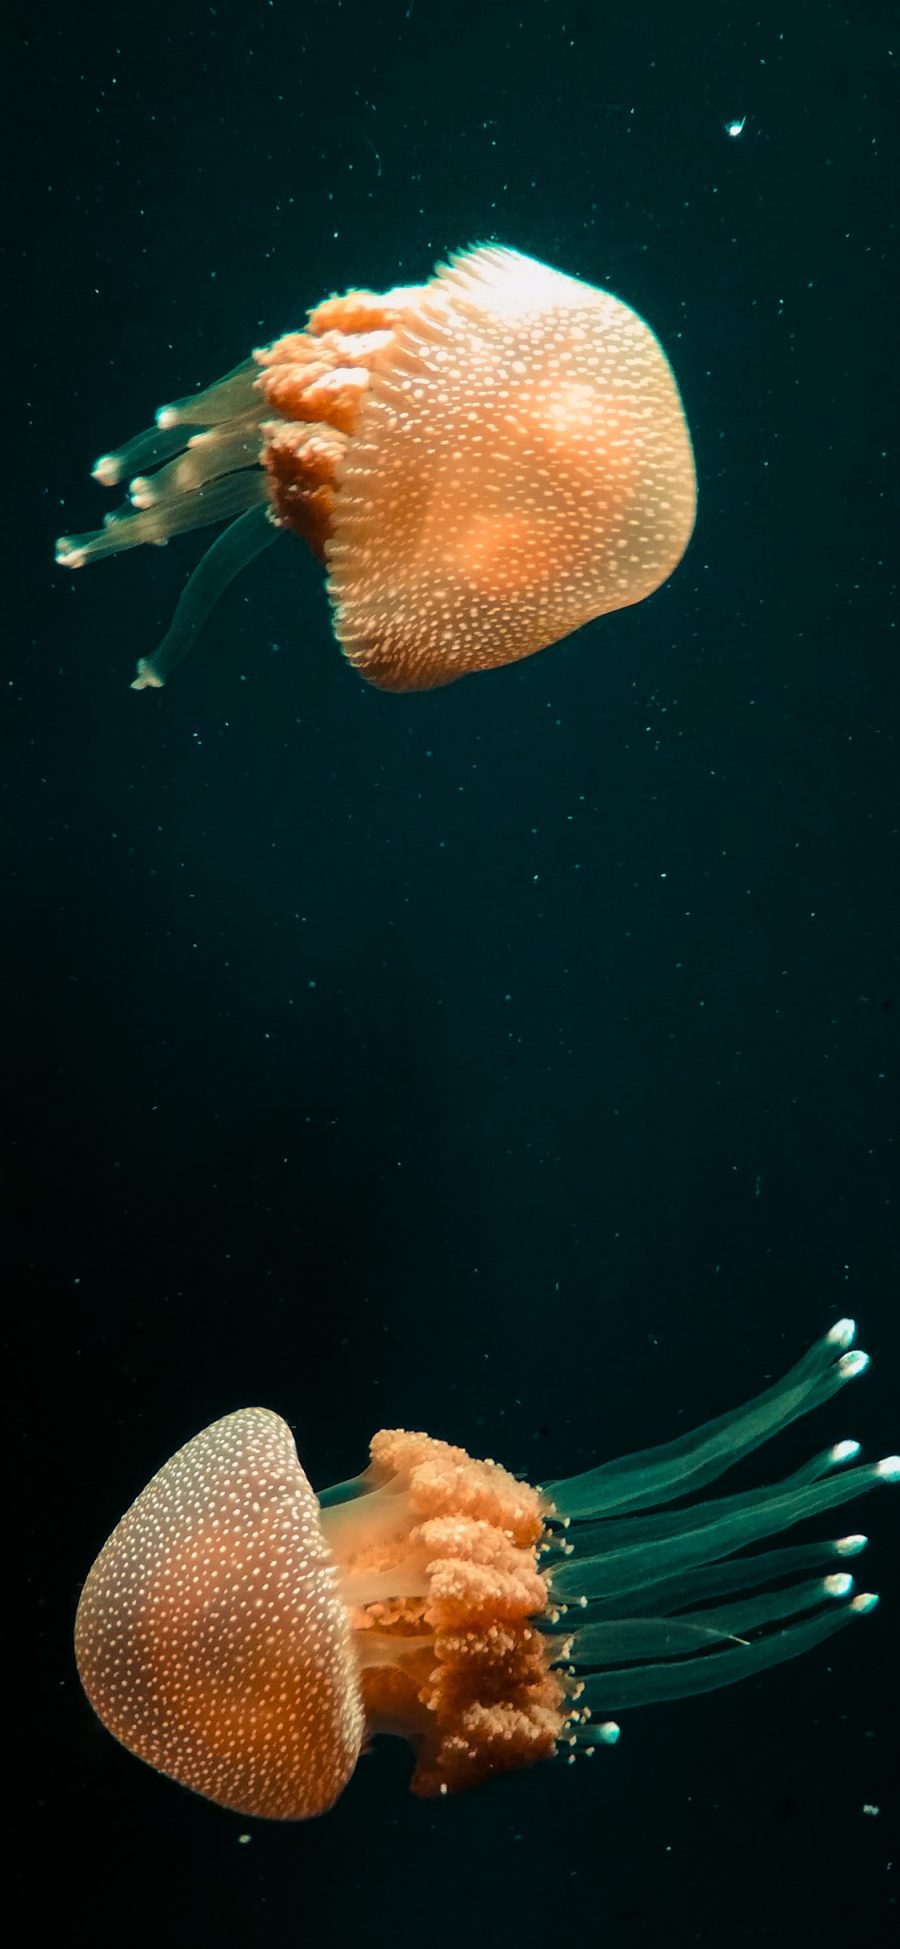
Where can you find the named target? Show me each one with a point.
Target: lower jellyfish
(248, 1637)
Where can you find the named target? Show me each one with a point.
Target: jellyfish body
(484, 463)
(248, 1637)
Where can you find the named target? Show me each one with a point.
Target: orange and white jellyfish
(484, 463)
(249, 1637)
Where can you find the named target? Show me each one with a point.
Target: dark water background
(518, 1061)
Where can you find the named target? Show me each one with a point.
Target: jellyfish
(250, 1638)
(483, 463)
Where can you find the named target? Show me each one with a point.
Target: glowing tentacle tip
(865, 1602)
(838, 1586)
(165, 417)
(889, 1468)
(850, 1545)
(608, 1733)
(146, 678)
(843, 1451)
(842, 1334)
(67, 556)
(851, 1364)
(140, 492)
(106, 470)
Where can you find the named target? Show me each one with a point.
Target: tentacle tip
(166, 416)
(865, 1602)
(140, 492)
(67, 555)
(106, 470)
(838, 1586)
(609, 1733)
(851, 1364)
(843, 1451)
(850, 1545)
(146, 678)
(842, 1334)
(888, 1468)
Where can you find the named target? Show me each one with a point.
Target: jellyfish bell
(248, 1637)
(483, 463)
(226, 1536)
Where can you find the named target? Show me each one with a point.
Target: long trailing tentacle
(231, 552)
